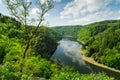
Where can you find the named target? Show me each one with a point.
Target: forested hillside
(66, 30)
(36, 64)
(12, 44)
(101, 41)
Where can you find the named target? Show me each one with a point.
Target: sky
(77, 12)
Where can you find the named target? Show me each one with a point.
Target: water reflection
(68, 54)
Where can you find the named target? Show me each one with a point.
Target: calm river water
(67, 53)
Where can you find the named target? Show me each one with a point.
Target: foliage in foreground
(68, 73)
(41, 68)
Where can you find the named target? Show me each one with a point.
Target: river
(67, 53)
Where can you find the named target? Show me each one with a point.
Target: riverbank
(97, 67)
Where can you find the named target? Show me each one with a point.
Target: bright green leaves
(14, 52)
(68, 73)
(4, 43)
(102, 42)
(39, 67)
(8, 72)
(10, 49)
(83, 35)
(108, 58)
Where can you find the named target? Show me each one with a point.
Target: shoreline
(97, 67)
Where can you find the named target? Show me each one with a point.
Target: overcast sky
(78, 12)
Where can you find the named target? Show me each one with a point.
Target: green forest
(101, 41)
(37, 64)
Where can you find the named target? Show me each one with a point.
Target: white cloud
(34, 11)
(98, 16)
(118, 18)
(78, 8)
(57, 0)
(87, 11)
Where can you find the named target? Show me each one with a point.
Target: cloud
(57, 0)
(88, 11)
(79, 8)
(98, 16)
(118, 18)
(34, 11)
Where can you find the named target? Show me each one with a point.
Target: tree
(45, 43)
(20, 10)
